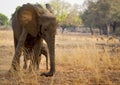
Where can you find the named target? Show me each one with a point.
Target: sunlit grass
(79, 61)
(82, 52)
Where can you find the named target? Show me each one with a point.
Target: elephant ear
(27, 18)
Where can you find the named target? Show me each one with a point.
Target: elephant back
(27, 17)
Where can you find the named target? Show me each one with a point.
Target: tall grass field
(80, 60)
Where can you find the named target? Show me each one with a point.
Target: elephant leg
(15, 42)
(46, 56)
(46, 62)
(45, 53)
(51, 47)
(26, 55)
(25, 60)
(25, 64)
(16, 58)
(38, 62)
(37, 52)
(31, 66)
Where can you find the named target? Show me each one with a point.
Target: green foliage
(61, 9)
(101, 12)
(73, 18)
(3, 19)
(115, 10)
(66, 14)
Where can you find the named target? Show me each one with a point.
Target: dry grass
(80, 60)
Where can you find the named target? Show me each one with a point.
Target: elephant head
(47, 24)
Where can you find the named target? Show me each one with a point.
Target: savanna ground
(80, 60)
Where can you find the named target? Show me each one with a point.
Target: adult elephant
(33, 23)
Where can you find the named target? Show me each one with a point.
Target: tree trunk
(114, 27)
(104, 28)
(63, 29)
(108, 29)
(100, 31)
(91, 30)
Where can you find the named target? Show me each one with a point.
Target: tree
(88, 16)
(73, 18)
(3, 19)
(67, 15)
(102, 14)
(61, 9)
(115, 14)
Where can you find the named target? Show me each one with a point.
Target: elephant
(27, 56)
(33, 23)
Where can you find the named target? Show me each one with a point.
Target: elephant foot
(15, 68)
(49, 74)
(12, 72)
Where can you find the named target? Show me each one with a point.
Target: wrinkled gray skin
(33, 23)
(27, 56)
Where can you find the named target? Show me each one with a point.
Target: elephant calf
(27, 56)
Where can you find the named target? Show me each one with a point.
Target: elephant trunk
(51, 47)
